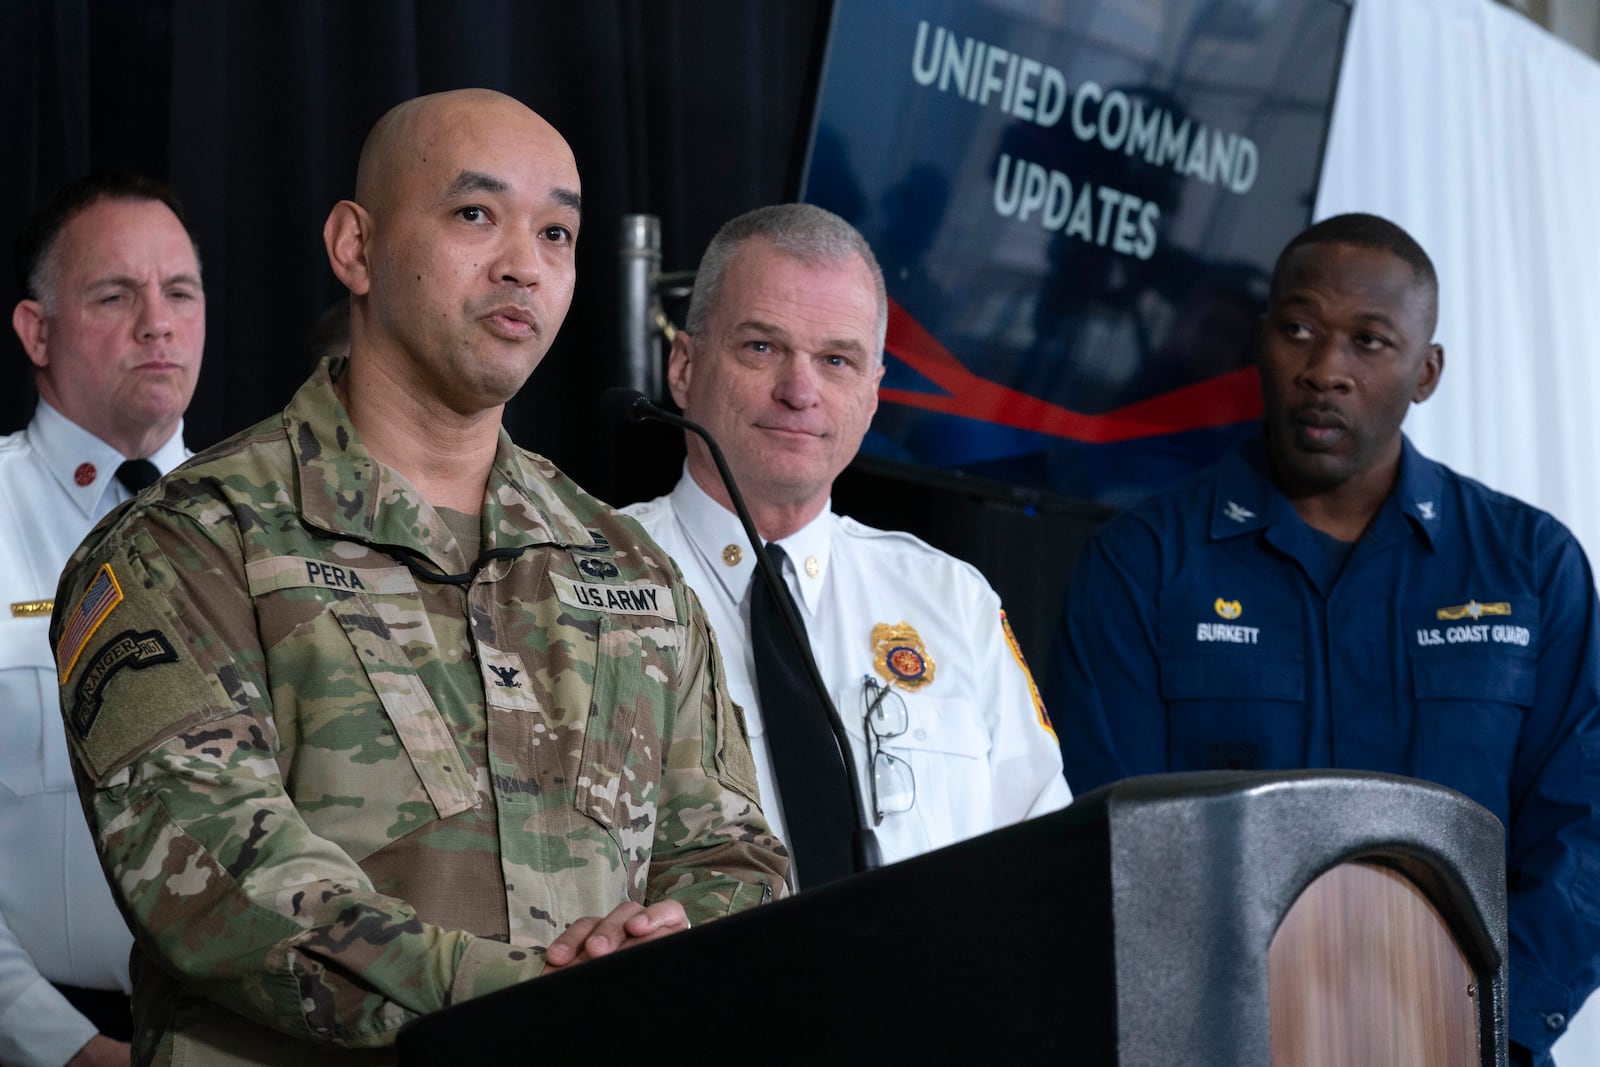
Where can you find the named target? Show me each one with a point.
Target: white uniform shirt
(57, 921)
(979, 742)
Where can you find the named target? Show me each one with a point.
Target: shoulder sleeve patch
(1033, 688)
(130, 649)
(103, 595)
(131, 691)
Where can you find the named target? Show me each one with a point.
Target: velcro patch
(131, 649)
(298, 572)
(630, 598)
(96, 603)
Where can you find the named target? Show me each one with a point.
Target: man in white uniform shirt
(113, 323)
(781, 361)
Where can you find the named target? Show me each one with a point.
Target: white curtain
(1479, 132)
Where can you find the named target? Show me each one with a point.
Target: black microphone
(630, 405)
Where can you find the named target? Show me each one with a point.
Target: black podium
(1133, 928)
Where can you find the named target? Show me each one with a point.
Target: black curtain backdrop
(255, 110)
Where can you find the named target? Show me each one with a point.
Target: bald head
(458, 250)
(417, 132)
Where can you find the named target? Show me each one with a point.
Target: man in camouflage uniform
(371, 710)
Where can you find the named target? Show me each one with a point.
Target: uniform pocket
(365, 753)
(1475, 651)
(605, 786)
(935, 728)
(33, 750)
(422, 731)
(946, 744)
(1233, 680)
(1474, 669)
(1216, 649)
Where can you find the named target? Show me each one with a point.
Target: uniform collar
(1419, 492)
(718, 534)
(346, 492)
(1245, 500)
(70, 452)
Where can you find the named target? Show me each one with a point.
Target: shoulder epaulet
(898, 539)
(901, 541)
(644, 509)
(856, 528)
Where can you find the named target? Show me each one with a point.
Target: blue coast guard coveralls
(1209, 627)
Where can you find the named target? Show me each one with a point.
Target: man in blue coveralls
(1328, 597)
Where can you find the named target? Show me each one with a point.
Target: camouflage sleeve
(177, 755)
(714, 852)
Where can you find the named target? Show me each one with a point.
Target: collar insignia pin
(1237, 513)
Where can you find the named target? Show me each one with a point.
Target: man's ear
(1432, 371)
(680, 368)
(27, 318)
(347, 235)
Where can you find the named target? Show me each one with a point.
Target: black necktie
(817, 816)
(137, 474)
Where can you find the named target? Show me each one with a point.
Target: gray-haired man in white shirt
(113, 323)
(781, 361)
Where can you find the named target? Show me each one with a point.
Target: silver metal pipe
(639, 254)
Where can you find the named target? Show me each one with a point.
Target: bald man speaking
(373, 711)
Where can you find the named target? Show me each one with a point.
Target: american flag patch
(102, 595)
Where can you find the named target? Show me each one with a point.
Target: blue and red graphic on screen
(1076, 213)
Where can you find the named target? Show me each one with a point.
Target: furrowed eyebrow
(568, 198)
(473, 181)
(119, 281)
(113, 281)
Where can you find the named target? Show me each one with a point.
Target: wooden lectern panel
(1363, 972)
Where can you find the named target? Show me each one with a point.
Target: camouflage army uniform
(339, 779)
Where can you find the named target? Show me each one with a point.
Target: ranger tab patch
(96, 603)
(127, 649)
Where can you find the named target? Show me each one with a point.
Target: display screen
(1076, 205)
